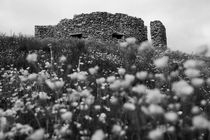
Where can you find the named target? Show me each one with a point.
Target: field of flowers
(86, 92)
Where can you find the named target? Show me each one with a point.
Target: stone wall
(44, 31)
(103, 26)
(158, 34)
(96, 25)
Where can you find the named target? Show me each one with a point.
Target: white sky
(187, 21)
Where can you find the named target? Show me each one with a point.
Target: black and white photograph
(104, 70)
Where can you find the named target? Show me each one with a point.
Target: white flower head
(67, 116)
(197, 82)
(154, 96)
(129, 106)
(154, 109)
(161, 62)
(37, 135)
(140, 89)
(116, 129)
(31, 58)
(142, 75)
(98, 135)
(200, 122)
(131, 40)
(182, 88)
(192, 63)
(171, 116)
(62, 59)
(110, 79)
(121, 71)
(145, 46)
(156, 134)
(32, 76)
(192, 73)
(100, 80)
(43, 96)
(123, 44)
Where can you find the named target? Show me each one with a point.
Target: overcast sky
(187, 21)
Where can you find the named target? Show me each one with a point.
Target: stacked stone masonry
(100, 26)
(158, 34)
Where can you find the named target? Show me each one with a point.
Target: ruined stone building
(103, 26)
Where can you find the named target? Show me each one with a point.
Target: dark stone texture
(158, 34)
(104, 27)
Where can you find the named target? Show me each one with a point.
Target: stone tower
(158, 34)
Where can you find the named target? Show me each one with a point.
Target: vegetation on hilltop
(79, 89)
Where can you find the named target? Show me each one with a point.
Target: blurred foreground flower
(182, 88)
(161, 62)
(55, 85)
(131, 40)
(200, 122)
(98, 135)
(156, 134)
(37, 135)
(31, 58)
(67, 116)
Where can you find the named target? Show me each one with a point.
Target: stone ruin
(104, 27)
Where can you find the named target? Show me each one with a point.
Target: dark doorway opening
(118, 35)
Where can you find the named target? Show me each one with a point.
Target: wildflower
(171, 116)
(62, 59)
(129, 106)
(182, 88)
(140, 89)
(192, 63)
(116, 129)
(123, 44)
(110, 79)
(113, 100)
(197, 82)
(116, 85)
(145, 46)
(155, 109)
(31, 58)
(3, 123)
(192, 73)
(102, 117)
(32, 76)
(156, 134)
(142, 75)
(80, 76)
(154, 96)
(100, 80)
(94, 70)
(54, 85)
(2, 135)
(121, 71)
(208, 81)
(67, 116)
(97, 107)
(43, 96)
(131, 40)
(203, 102)
(161, 62)
(37, 135)
(200, 122)
(98, 135)
(195, 110)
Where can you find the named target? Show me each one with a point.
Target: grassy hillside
(79, 89)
